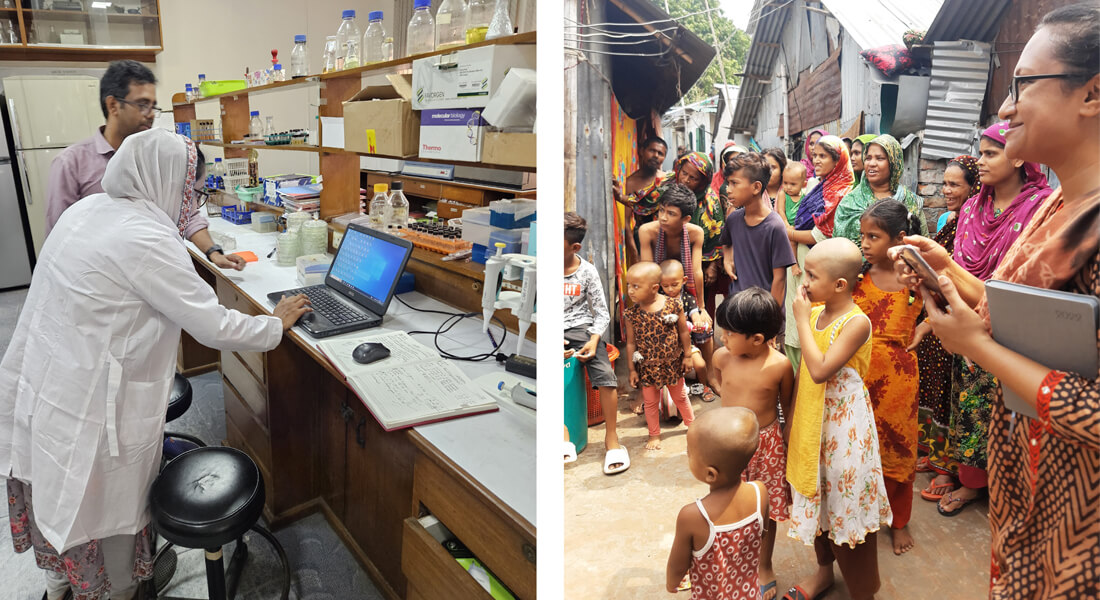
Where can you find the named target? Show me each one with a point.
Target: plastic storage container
(374, 38)
(377, 210)
(450, 24)
(397, 213)
(299, 57)
(475, 225)
(255, 125)
(239, 217)
(347, 42)
(263, 222)
(224, 86)
(421, 30)
(512, 214)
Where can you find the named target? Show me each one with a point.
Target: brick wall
(929, 188)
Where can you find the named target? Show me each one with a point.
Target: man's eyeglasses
(1014, 89)
(144, 107)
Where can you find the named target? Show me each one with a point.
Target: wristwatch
(213, 249)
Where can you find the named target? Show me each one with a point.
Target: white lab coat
(85, 381)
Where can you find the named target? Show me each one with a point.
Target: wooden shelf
(255, 90)
(330, 150)
(521, 38)
(77, 15)
(466, 184)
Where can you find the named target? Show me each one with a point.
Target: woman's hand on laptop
(290, 309)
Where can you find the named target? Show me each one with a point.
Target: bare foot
(821, 580)
(903, 540)
(768, 576)
(639, 408)
(654, 443)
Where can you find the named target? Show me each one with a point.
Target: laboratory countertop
(496, 449)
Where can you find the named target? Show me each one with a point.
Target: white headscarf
(157, 166)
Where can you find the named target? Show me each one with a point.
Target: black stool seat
(180, 398)
(207, 497)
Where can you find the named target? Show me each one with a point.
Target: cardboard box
(514, 149)
(451, 134)
(379, 119)
(449, 209)
(466, 78)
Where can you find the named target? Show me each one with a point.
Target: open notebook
(413, 386)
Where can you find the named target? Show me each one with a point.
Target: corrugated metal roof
(767, 23)
(960, 71)
(874, 23)
(967, 20)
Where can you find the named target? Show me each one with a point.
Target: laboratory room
(267, 299)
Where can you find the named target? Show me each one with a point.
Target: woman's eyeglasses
(144, 107)
(202, 195)
(1014, 89)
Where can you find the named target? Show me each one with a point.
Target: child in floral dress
(658, 343)
(833, 465)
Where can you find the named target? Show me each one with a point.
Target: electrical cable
(448, 324)
(671, 18)
(625, 35)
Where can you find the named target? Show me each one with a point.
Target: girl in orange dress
(892, 381)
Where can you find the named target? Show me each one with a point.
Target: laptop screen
(369, 263)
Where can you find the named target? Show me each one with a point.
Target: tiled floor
(618, 529)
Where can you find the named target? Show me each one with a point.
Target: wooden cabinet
(91, 31)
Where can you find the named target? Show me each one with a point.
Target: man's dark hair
(752, 165)
(679, 196)
(116, 81)
(1075, 31)
(654, 139)
(575, 227)
(750, 312)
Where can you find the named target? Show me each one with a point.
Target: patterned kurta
(934, 397)
(658, 341)
(892, 380)
(1044, 485)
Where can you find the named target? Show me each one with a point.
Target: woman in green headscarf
(858, 146)
(882, 168)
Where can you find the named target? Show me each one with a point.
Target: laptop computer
(1056, 329)
(358, 286)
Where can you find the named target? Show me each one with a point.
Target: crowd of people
(839, 374)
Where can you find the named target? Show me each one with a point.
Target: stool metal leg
(282, 558)
(215, 574)
(236, 565)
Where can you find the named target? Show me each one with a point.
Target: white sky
(737, 11)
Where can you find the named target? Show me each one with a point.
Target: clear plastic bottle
(299, 57)
(378, 206)
(373, 38)
(347, 42)
(501, 25)
(219, 174)
(189, 92)
(255, 125)
(397, 210)
(387, 49)
(329, 64)
(198, 88)
(478, 15)
(279, 73)
(450, 24)
(421, 31)
(269, 127)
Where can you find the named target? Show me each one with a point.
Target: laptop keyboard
(322, 302)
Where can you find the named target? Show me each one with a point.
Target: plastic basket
(213, 88)
(249, 194)
(595, 409)
(233, 215)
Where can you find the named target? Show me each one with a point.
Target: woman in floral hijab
(886, 185)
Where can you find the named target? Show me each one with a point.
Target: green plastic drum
(576, 403)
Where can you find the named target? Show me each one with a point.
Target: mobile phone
(929, 280)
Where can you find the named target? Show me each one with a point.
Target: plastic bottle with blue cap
(299, 57)
(420, 37)
(373, 38)
(347, 42)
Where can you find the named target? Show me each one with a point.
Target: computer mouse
(369, 352)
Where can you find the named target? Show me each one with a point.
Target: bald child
(716, 536)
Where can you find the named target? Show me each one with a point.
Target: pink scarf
(983, 237)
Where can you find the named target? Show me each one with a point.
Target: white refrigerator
(46, 114)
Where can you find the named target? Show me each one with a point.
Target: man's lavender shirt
(77, 172)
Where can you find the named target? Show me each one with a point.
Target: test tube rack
(437, 237)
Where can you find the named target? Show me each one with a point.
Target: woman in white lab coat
(84, 384)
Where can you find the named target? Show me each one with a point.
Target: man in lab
(128, 99)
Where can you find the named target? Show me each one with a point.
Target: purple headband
(996, 132)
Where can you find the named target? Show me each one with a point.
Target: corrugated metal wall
(1016, 28)
(859, 91)
(959, 74)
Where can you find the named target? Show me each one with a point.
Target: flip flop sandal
(964, 502)
(569, 451)
(685, 584)
(613, 456)
(797, 593)
(764, 589)
(933, 492)
(697, 389)
(708, 395)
